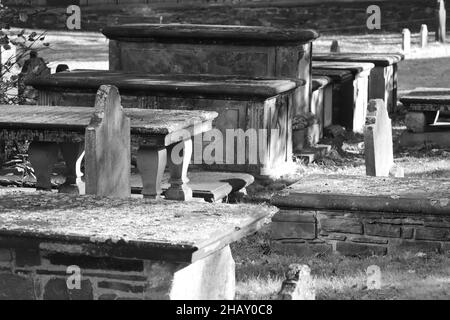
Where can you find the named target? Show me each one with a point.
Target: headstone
(107, 147)
(335, 47)
(379, 153)
(441, 16)
(423, 36)
(406, 41)
(298, 285)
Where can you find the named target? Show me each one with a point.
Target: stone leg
(210, 278)
(72, 154)
(151, 163)
(43, 156)
(179, 158)
(418, 121)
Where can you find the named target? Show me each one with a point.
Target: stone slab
(370, 194)
(130, 83)
(378, 59)
(128, 228)
(427, 99)
(192, 33)
(337, 76)
(354, 67)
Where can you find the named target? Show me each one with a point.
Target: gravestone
(108, 147)
(423, 36)
(378, 140)
(299, 284)
(441, 17)
(406, 41)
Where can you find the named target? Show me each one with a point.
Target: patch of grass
(260, 273)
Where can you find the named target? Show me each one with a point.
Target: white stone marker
(406, 41)
(423, 36)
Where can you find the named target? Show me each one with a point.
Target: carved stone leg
(151, 163)
(179, 157)
(72, 154)
(43, 156)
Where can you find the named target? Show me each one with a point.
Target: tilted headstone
(335, 47)
(423, 36)
(441, 17)
(378, 140)
(107, 147)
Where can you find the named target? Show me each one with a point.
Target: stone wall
(358, 233)
(40, 272)
(330, 17)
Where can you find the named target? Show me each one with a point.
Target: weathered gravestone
(379, 154)
(299, 284)
(107, 147)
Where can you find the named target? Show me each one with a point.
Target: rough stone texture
(418, 140)
(382, 230)
(356, 249)
(56, 289)
(341, 225)
(289, 230)
(298, 285)
(427, 99)
(379, 153)
(5, 255)
(301, 249)
(416, 121)
(14, 287)
(108, 147)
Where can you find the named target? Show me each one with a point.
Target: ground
(260, 272)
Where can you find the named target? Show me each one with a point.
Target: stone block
(368, 240)
(407, 232)
(379, 153)
(57, 289)
(27, 257)
(108, 147)
(121, 286)
(301, 249)
(429, 233)
(341, 225)
(413, 246)
(361, 250)
(382, 230)
(5, 255)
(14, 287)
(295, 216)
(416, 121)
(293, 230)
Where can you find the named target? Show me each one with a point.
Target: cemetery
(225, 161)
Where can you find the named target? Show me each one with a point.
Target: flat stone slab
(354, 67)
(128, 228)
(320, 82)
(371, 194)
(133, 83)
(210, 33)
(427, 99)
(378, 59)
(439, 138)
(337, 76)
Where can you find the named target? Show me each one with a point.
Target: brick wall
(358, 233)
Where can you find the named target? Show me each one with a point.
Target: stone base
(305, 233)
(42, 273)
(438, 138)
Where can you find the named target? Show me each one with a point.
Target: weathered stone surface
(382, 230)
(107, 296)
(293, 230)
(299, 284)
(121, 286)
(427, 99)
(295, 216)
(56, 289)
(368, 240)
(413, 246)
(356, 249)
(301, 249)
(407, 232)
(14, 287)
(416, 121)
(5, 255)
(27, 257)
(379, 153)
(108, 147)
(429, 233)
(339, 237)
(417, 140)
(341, 225)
